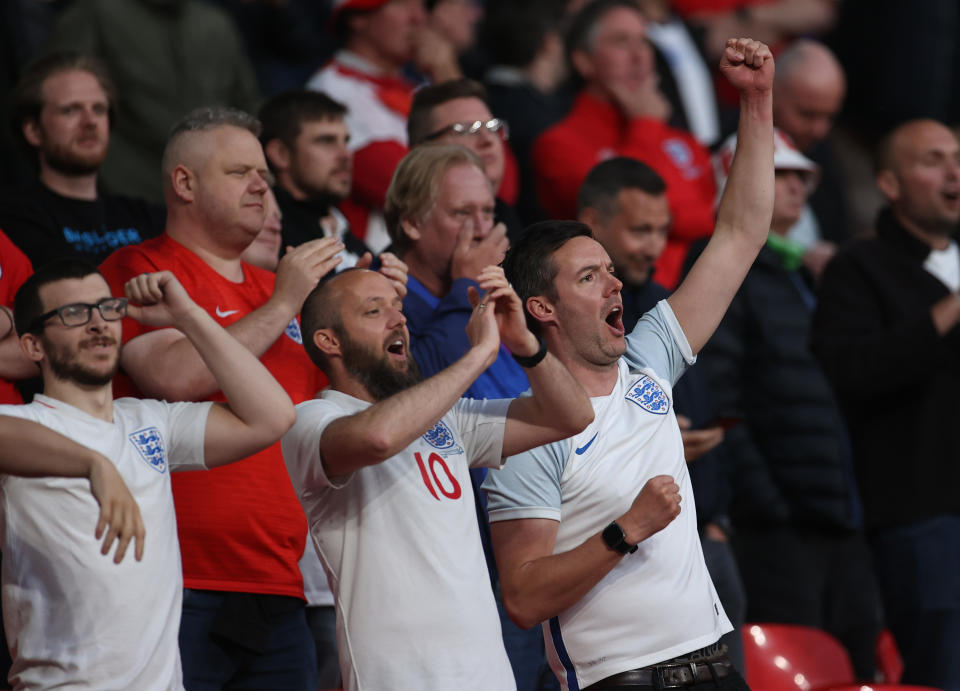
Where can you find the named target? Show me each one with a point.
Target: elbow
(520, 612)
(379, 447)
(284, 418)
(582, 420)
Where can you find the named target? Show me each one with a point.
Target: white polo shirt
(658, 602)
(400, 545)
(73, 618)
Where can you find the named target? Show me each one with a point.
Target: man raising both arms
(584, 530)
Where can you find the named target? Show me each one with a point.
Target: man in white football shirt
(588, 532)
(381, 465)
(72, 618)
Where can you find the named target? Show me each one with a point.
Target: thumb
(365, 261)
(473, 296)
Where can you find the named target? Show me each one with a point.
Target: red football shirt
(14, 270)
(241, 527)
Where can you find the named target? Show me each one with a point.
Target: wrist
(616, 539)
(529, 361)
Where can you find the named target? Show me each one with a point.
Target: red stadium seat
(889, 662)
(783, 657)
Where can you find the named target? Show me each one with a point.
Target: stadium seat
(889, 662)
(784, 657)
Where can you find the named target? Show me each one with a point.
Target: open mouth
(614, 319)
(397, 348)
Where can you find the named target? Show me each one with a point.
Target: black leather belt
(672, 674)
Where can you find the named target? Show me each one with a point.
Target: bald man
(808, 92)
(886, 330)
(242, 531)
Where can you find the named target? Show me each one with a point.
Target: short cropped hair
(580, 33)
(529, 264)
(319, 311)
(416, 183)
(420, 120)
(206, 119)
(27, 305)
(283, 116)
(605, 180)
(27, 102)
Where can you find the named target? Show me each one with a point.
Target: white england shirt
(658, 602)
(73, 618)
(400, 545)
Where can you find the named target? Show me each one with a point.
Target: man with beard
(61, 110)
(380, 464)
(75, 620)
(886, 330)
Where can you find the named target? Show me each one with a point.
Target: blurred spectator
(808, 93)
(166, 57)
(305, 139)
(886, 332)
(455, 112)
(379, 37)
(241, 529)
(264, 251)
(524, 83)
(621, 111)
(797, 517)
(624, 203)
(457, 21)
(684, 66)
(63, 109)
(14, 364)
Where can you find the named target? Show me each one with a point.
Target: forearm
(252, 393)
(30, 449)
(387, 427)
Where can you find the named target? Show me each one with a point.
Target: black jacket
(898, 381)
(790, 453)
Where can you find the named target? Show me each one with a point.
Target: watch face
(614, 537)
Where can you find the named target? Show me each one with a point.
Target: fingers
(473, 296)
(747, 51)
(365, 261)
(146, 289)
(396, 271)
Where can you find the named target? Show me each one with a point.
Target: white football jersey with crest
(658, 602)
(400, 545)
(73, 618)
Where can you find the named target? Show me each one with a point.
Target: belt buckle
(675, 676)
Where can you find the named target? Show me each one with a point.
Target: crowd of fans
(244, 155)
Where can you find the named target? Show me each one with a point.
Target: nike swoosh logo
(583, 449)
(225, 313)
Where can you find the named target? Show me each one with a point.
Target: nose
(258, 184)
(397, 319)
(614, 284)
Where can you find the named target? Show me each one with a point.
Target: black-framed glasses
(80, 313)
(462, 129)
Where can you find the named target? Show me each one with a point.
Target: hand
(391, 267)
(748, 66)
(436, 56)
(482, 331)
(119, 513)
(817, 257)
(508, 311)
(646, 102)
(302, 267)
(158, 299)
(471, 256)
(697, 442)
(657, 504)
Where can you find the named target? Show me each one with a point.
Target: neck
(72, 186)
(344, 383)
(596, 380)
(95, 401)
(427, 275)
(937, 241)
(545, 72)
(369, 52)
(225, 261)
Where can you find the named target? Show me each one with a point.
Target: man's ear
(184, 183)
(582, 63)
(889, 185)
(327, 342)
(411, 229)
(589, 217)
(31, 345)
(541, 309)
(32, 133)
(278, 155)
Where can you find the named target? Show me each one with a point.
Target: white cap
(786, 156)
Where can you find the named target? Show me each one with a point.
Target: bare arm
(164, 364)
(30, 449)
(389, 426)
(258, 410)
(538, 584)
(746, 208)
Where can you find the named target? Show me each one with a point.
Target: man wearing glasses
(456, 112)
(74, 618)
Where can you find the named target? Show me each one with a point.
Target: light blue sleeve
(528, 484)
(657, 342)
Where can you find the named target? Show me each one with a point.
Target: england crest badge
(647, 394)
(441, 438)
(293, 332)
(149, 444)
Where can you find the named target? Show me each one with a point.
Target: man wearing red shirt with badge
(14, 365)
(241, 528)
(620, 111)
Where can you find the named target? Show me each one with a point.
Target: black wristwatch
(616, 539)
